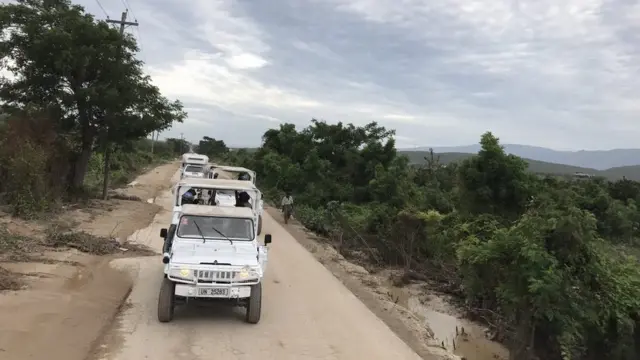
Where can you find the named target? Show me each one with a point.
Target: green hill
(616, 173)
(539, 167)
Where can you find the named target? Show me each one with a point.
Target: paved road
(306, 314)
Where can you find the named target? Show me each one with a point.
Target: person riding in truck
(244, 200)
(189, 197)
(212, 198)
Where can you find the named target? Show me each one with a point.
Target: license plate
(213, 292)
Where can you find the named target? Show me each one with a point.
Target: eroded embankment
(425, 320)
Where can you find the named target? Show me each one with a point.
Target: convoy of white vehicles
(211, 248)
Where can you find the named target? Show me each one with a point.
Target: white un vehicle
(219, 192)
(213, 253)
(236, 172)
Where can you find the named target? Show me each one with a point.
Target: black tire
(166, 247)
(259, 224)
(254, 307)
(166, 300)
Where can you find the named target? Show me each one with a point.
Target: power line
(144, 58)
(122, 22)
(102, 8)
(127, 6)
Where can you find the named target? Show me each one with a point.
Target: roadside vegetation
(543, 261)
(76, 110)
(77, 103)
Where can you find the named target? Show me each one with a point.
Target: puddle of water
(462, 337)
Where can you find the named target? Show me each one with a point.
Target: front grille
(212, 275)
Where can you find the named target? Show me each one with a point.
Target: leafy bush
(33, 165)
(543, 259)
(28, 173)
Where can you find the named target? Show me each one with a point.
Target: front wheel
(254, 307)
(166, 300)
(259, 225)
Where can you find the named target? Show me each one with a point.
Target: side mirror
(163, 233)
(267, 239)
(261, 196)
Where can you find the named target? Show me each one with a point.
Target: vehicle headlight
(247, 273)
(181, 273)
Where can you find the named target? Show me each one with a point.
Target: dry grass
(82, 241)
(120, 196)
(9, 280)
(16, 247)
(61, 237)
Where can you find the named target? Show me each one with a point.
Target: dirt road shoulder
(66, 296)
(371, 290)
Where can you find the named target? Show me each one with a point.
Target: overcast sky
(560, 74)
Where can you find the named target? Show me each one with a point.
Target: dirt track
(307, 313)
(69, 297)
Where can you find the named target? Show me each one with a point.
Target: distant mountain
(594, 159)
(536, 166)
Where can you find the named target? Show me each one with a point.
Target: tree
(212, 147)
(327, 162)
(70, 65)
(135, 107)
(177, 146)
(494, 182)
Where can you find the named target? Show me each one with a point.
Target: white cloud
(203, 78)
(266, 117)
(540, 72)
(246, 61)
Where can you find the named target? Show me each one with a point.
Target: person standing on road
(287, 200)
(287, 205)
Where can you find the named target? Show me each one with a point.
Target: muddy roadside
(424, 320)
(57, 291)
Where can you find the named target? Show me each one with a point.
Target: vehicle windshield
(194, 168)
(232, 228)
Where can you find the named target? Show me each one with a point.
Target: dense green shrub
(33, 165)
(543, 258)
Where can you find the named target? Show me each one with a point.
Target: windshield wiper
(200, 231)
(223, 235)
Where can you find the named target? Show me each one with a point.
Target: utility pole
(107, 150)
(154, 139)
